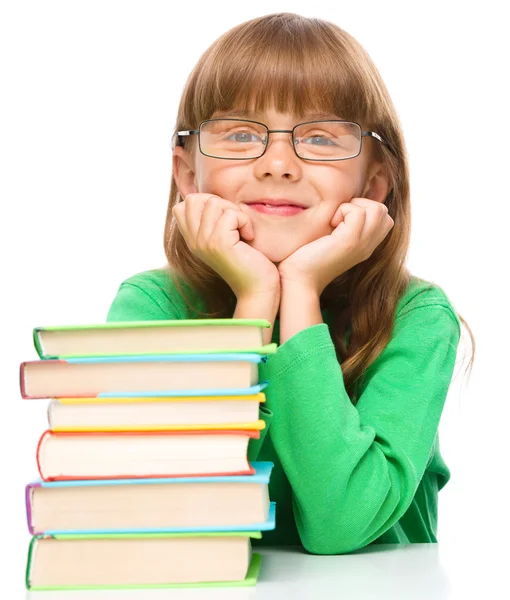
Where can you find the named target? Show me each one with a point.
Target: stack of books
(145, 479)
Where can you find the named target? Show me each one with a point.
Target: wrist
(299, 286)
(263, 305)
(299, 308)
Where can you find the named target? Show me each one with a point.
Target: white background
(89, 96)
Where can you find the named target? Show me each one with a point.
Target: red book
(65, 455)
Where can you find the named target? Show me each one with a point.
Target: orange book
(132, 454)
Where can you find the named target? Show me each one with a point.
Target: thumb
(245, 226)
(338, 217)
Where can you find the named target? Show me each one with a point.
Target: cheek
(338, 183)
(220, 177)
(341, 191)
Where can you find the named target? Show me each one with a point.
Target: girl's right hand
(212, 228)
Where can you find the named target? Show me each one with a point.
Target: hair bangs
(275, 69)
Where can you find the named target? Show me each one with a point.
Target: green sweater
(344, 476)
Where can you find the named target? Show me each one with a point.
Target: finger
(353, 218)
(367, 202)
(376, 210)
(194, 205)
(337, 218)
(378, 222)
(212, 211)
(228, 228)
(361, 202)
(178, 211)
(246, 228)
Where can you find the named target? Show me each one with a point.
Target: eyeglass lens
(321, 140)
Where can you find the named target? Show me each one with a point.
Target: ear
(377, 185)
(184, 171)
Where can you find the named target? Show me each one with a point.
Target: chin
(276, 253)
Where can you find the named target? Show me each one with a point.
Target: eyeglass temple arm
(378, 137)
(374, 135)
(176, 139)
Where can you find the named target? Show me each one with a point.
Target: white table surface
(382, 572)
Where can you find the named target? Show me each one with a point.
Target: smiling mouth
(283, 210)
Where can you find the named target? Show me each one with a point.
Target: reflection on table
(379, 571)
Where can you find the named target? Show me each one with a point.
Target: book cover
(169, 375)
(156, 413)
(91, 436)
(261, 475)
(249, 580)
(152, 337)
(258, 397)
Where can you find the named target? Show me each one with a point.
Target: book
(167, 412)
(152, 337)
(145, 480)
(63, 455)
(179, 504)
(106, 561)
(154, 375)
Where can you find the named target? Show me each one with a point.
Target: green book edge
(160, 323)
(152, 323)
(250, 580)
(155, 534)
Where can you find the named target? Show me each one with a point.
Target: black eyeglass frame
(178, 141)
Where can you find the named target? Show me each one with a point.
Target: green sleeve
(147, 302)
(354, 470)
(134, 303)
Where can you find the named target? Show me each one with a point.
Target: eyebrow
(248, 114)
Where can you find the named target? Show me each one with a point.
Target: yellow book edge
(259, 397)
(255, 426)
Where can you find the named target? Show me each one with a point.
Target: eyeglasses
(242, 139)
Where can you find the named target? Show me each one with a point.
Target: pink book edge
(28, 505)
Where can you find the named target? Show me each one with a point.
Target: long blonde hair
(298, 64)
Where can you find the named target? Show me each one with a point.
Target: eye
(243, 136)
(321, 139)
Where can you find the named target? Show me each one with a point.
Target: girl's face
(320, 186)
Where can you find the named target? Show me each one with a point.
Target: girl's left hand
(360, 226)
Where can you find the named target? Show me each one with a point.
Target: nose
(279, 160)
(271, 135)
(280, 147)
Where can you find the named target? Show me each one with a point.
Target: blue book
(143, 375)
(152, 505)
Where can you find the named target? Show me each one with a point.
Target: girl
(290, 202)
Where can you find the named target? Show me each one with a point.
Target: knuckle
(212, 198)
(213, 201)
